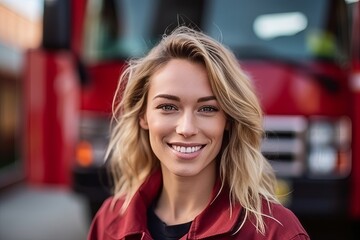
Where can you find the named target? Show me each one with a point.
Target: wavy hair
(242, 167)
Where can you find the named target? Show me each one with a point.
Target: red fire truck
(303, 56)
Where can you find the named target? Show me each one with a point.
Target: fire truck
(303, 58)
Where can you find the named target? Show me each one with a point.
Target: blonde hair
(243, 168)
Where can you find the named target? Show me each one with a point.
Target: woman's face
(184, 119)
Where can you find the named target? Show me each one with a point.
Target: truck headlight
(321, 133)
(91, 148)
(329, 145)
(322, 160)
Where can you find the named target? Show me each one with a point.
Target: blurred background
(59, 65)
(27, 210)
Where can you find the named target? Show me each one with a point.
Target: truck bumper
(320, 197)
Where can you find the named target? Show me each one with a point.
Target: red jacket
(214, 222)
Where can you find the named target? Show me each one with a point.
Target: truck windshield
(295, 30)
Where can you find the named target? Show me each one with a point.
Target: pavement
(42, 213)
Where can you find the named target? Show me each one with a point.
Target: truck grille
(284, 144)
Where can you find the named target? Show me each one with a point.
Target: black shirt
(160, 231)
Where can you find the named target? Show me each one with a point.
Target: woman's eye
(167, 107)
(209, 109)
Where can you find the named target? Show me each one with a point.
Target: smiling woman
(185, 150)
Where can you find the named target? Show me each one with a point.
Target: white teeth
(186, 149)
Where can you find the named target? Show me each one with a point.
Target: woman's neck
(183, 198)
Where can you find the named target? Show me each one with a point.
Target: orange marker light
(84, 154)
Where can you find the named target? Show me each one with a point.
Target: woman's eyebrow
(167, 96)
(208, 98)
(175, 98)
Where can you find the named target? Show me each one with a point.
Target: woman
(185, 150)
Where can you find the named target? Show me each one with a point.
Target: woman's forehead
(181, 77)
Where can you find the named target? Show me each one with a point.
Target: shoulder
(107, 213)
(110, 209)
(281, 223)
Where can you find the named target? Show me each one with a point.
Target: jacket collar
(217, 218)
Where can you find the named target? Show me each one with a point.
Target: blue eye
(167, 107)
(209, 109)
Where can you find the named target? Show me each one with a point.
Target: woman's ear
(143, 122)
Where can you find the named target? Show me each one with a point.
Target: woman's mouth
(183, 149)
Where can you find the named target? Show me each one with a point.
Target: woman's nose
(187, 125)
